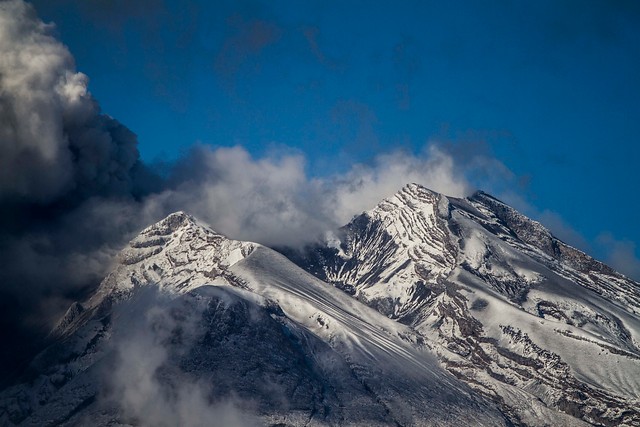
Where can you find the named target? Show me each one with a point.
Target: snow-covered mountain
(511, 310)
(426, 310)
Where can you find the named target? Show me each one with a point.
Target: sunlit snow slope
(520, 316)
(427, 310)
(189, 321)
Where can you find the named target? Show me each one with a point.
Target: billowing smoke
(59, 154)
(55, 142)
(273, 200)
(73, 189)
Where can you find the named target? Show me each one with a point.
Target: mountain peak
(177, 254)
(543, 330)
(418, 191)
(480, 194)
(412, 196)
(170, 224)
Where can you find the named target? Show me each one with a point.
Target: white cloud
(363, 187)
(272, 200)
(621, 255)
(141, 394)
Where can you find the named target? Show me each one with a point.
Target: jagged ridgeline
(426, 310)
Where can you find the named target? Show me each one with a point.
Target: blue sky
(549, 89)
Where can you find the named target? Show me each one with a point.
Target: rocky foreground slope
(426, 310)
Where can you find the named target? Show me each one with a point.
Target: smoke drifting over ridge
(73, 189)
(273, 200)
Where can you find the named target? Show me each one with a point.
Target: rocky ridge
(190, 319)
(429, 310)
(513, 309)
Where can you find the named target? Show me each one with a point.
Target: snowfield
(426, 310)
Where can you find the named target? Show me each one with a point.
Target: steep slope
(192, 328)
(430, 310)
(519, 315)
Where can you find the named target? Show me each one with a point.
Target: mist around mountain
(425, 310)
(74, 187)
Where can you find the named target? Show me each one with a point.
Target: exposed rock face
(429, 310)
(514, 311)
(192, 328)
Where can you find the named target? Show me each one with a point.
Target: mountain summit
(425, 310)
(513, 309)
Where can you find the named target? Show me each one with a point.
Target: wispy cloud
(621, 254)
(73, 189)
(563, 230)
(147, 388)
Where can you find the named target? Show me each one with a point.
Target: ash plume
(73, 188)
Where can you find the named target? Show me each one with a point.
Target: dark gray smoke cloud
(55, 142)
(59, 156)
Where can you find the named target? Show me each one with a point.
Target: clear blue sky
(549, 88)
